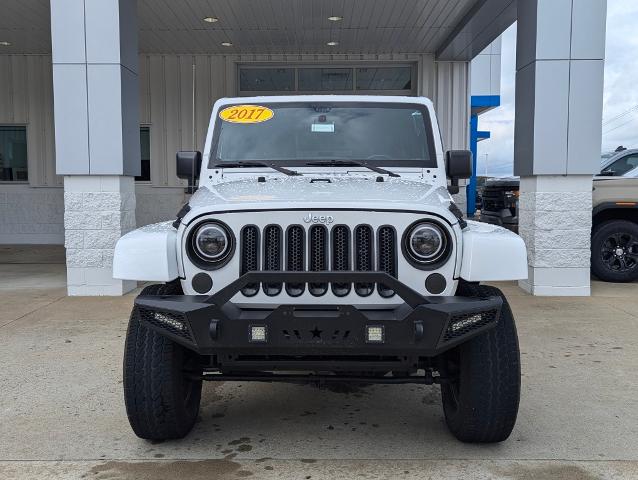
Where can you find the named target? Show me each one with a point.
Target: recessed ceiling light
(332, 44)
(335, 18)
(5, 44)
(227, 44)
(211, 19)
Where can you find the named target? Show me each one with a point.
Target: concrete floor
(62, 414)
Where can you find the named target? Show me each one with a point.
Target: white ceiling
(298, 26)
(261, 26)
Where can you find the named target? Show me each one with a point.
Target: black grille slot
(318, 257)
(295, 257)
(341, 257)
(465, 323)
(364, 257)
(170, 322)
(387, 257)
(249, 257)
(272, 257)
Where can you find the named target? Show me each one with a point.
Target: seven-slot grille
(318, 249)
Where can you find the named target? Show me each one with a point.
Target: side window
(622, 165)
(13, 153)
(145, 155)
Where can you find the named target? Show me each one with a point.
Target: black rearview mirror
(189, 165)
(458, 165)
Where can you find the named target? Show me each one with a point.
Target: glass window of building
(267, 79)
(384, 78)
(325, 79)
(145, 155)
(13, 153)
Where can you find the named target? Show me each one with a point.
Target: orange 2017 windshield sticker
(246, 114)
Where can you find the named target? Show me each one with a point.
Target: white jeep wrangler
(322, 244)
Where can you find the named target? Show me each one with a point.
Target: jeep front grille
(295, 257)
(318, 257)
(249, 257)
(318, 249)
(340, 257)
(387, 257)
(364, 257)
(273, 246)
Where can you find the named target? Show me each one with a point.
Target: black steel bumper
(421, 326)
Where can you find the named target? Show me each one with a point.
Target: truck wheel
(481, 403)
(614, 251)
(161, 401)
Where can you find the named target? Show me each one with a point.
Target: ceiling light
(332, 44)
(211, 19)
(5, 44)
(335, 18)
(227, 44)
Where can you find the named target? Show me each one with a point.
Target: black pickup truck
(499, 202)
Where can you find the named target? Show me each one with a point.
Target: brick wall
(98, 210)
(555, 223)
(36, 215)
(31, 215)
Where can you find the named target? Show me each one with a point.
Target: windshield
(300, 133)
(621, 166)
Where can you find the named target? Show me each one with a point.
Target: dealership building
(96, 96)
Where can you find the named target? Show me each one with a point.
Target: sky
(620, 101)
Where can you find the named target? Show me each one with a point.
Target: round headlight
(211, 242)
(427, 242)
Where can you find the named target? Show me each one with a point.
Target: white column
(98, 210)
(559, 88)
(555, 214)
(95, 85)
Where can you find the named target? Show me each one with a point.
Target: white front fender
(148, 253)
(492, 253)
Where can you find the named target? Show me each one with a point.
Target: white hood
(315, 192)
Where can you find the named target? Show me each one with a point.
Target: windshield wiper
(352, 163)
(274, 166)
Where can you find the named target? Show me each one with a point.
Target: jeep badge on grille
(325, 219)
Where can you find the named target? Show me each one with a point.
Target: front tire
(162, 402)
(614, 251)
(481, 403)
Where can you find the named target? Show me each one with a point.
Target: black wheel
(614, 251)
(162, 401)
(481, 403)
